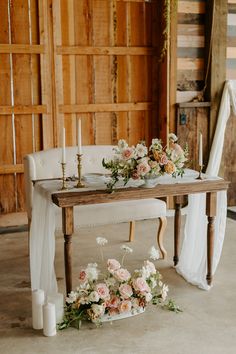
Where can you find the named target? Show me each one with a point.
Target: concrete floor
(207, 325)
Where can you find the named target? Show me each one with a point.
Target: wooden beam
(9, 169)
(174, 28)
(194, 104)
(87, 50)
(29, 109)
(105, 107)
(22, 48)
(217, 72)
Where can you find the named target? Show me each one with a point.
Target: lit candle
(49, 320)
(58, 300)
(63, 145)
(79, 138)
(37, 308)
(200, 149)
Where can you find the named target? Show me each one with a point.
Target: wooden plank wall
(60, 60)
(231, 41)
(106, 52)
(190, 49)
(20, 103)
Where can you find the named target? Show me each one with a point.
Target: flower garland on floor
(139, 162)
(115, 292)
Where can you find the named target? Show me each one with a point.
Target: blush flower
(128, 153)
(102, 291)
(141, 285)
(125, 291)
(143, 168)
(112, 265)
(122, 275)
(125, 306)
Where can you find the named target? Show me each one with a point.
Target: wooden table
(67, 200)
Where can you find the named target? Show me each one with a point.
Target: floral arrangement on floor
(116, 291)
(141, 162)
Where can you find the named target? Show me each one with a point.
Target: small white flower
(145, 273)
(154, 253)
(164, 292)
(72, 297)
(141, 150)
(127, 249)
(122, 144)
(101, 241)
(92, 272)
(93, 296)
(110, 281)
(173, 137)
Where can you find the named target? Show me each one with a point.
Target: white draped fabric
(192, 262)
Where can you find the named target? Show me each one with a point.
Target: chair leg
(160, 236)
(131, 230)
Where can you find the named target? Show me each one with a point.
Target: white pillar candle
(200, 149)
(63, 146)
(58, 300)
(49, 320)
(79, 138)
(37, 308)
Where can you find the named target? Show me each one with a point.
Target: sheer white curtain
(192, 262)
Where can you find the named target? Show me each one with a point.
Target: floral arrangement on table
(141, 162)
(115, 292)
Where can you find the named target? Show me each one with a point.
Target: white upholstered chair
(46, 164)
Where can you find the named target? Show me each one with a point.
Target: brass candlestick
(200, 173)
(79, 184)
(63, 166)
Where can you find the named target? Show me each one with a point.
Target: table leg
(68, 229)
(177, 225)
(211, 213)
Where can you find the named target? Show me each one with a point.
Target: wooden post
(177, 227)
(216, 13)
(68, 229)
(211, 213)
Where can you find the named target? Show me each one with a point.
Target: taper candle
(79, 138)
(63, 145)
(37, 308)
(200, 149)
(49, 320)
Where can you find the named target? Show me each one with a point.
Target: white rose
(98, 310)
(93, 296)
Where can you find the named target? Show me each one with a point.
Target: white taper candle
(200, 149)
(63, 145)
(37, 308)
(79, 138)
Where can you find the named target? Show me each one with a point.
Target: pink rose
(112, 265)
(127, 153)
(102, 291)
(125, 306)
(163, 160)
(113, 303)
(83, 276)
(150, 267)
(141, 285)
(122, 275)
(143, 168)
(113, 312)
(125, 291)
